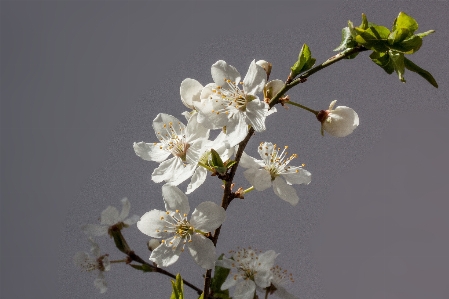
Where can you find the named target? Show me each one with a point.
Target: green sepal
(346, 40)
(408, 46)
(220, 275)
(374, 38)
(144, 268)
(305, 61)
(178, 288)
(229, 163)
(119, 240)
(423, 73)
(405, 21)
(398, 62)
(383, 60)
(201, 296)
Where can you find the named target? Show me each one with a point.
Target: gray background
(81, 81)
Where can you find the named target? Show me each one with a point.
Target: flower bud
(339, 122)
(153, 244)
(266, 66)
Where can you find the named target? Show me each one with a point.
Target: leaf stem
(302, 106)
(248, 190)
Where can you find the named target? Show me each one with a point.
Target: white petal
(208, 216)
(203, 251)
(126, 205)
(244, 290)
(272, 88)
(165, 170)
(195, 151)
(165, 256)
(195, 130)
(263, 278)
(259, 178)
(236, 129)
(250, 162)
(256, 112)
(100, 283)
(229, 282)
(284, 191)
(83, 260)
(95, 249)
(297, 175)
(208, 116)
(131, 220)
(222, 71)
(151, 151)
(181, 173)
(265, 150)
(198, 178)
(95, 230)
(175, 199)
(162, 122)
(281, 292)
(190, 91)
(153, 223)
(225, 263)
(255, 79)
(110, 216)
(266, 259)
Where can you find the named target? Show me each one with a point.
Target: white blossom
(184, 143)
(249, 269)
(281, 278)
(178, 232)
(225, 104)
(98, 263)
(339, 122)
(109, 217)
(273, 170)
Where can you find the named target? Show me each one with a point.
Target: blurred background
(81, 81)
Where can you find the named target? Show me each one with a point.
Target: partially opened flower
(225, 104)
(109, 217)
(249, 269)
(183, 142)
(339, 122)
(178, 232)
(273, 170)
(98, 263)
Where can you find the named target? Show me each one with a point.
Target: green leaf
(374, 38)
(405, 21)
(346, 40)
(398, 36)
(144, 268)
(398, 63)
(408, 46)
(423, 73)
(220, 275)
(383, 60)
(229, 163)
(216, 159)
(202, 296)
(305, 61)
(178, 288)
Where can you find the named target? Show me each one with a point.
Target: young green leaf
(408, 46)
(398, 36)
(305, 61)
(422, 34)
(220, 275)
(346, 40)
(383, 60)
(216, 159)
(398, 63)
(178, 288)
(423, 73)
(405, 21)
(374, 38)
(364, 24)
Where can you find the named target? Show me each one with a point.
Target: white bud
(266, 66)
(153, 244)
(338, 122)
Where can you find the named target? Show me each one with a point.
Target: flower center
(233, 96)
(180, 226)
(276, 162)
(174, 140)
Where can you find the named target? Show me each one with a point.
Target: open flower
(280, 279)
(225, 104)
(178, 232)
(248, 270)
(183, 142)
(273, 170)
(99, 263)
(109, 217)
(339, 122)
